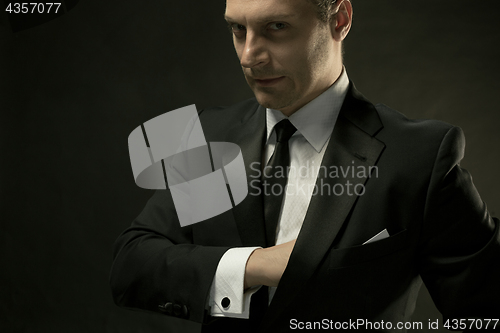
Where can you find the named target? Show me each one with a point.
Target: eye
(277, 26)
(235, 27)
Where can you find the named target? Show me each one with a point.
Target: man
(383, 204)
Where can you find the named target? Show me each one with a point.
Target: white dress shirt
(314, 123)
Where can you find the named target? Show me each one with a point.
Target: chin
(272, 101)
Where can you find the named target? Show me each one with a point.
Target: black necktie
(276, 177)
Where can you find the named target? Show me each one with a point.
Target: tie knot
(284, 130)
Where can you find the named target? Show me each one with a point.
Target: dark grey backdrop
(73, 89)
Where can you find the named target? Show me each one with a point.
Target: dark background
(73, 89)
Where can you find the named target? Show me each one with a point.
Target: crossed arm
(266, 266)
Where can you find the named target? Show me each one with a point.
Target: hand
(266, 266)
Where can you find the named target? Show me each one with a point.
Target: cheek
(238, 51)
(238, 47)
(294, 62)
(302, 69)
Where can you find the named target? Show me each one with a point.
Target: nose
(254, 51)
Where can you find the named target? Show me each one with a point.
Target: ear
(341, 20)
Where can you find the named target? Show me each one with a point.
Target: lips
(266, 82)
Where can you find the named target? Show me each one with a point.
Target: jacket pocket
(359, 254)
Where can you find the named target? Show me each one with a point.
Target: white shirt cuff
(227, 298)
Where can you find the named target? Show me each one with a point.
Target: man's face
(288, 55)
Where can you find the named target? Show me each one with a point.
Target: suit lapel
(351, 145)
(249, 135)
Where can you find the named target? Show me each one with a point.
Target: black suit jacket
(440, 230)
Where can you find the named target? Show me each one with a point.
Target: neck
(289, 110)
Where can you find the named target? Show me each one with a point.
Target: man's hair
(325, 9)
(325, 12)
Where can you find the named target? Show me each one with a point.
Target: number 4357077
(32, 7)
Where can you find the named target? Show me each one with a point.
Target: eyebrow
(265, 19)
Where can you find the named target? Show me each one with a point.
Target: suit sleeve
(460, 244)
(158, 268)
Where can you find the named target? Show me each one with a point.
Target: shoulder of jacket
(394, 120)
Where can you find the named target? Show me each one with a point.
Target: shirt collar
(316, 119)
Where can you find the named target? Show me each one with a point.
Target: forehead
(264, 10)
